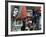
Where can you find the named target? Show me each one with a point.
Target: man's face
(16, 10)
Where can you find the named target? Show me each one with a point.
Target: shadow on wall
(11, 36)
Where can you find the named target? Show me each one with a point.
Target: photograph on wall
(25, 18)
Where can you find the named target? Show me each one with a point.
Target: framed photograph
(24, 18)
